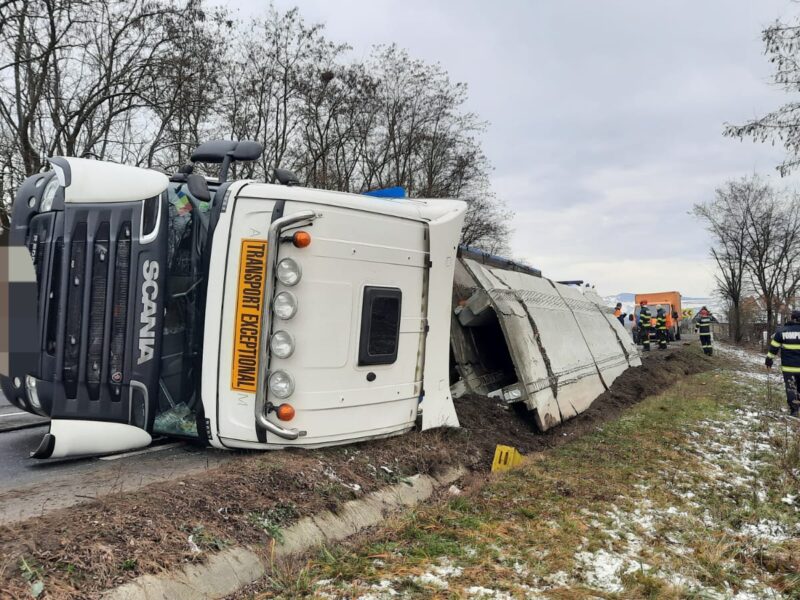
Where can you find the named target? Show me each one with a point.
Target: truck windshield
(179, 383)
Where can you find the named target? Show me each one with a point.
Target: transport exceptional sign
(249, 310)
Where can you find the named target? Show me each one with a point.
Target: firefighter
(644, 325)
(661, 328)
(704, 328)
(786, 341)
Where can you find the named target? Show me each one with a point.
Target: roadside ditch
(78, 552)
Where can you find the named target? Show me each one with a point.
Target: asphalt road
(29, 487)
(12, 418)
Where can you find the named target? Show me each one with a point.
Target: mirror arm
(223, 170)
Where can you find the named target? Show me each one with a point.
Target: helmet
(643, 303)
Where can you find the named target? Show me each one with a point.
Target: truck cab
(247, 314)
(670, 302)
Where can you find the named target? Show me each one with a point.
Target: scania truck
(269, 315)
(139, 299)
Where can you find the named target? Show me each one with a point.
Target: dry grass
(685, 496)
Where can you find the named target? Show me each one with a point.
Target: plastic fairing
(437, 404)
(87, 181)
(81, 438)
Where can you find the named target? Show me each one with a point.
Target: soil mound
(491, 422)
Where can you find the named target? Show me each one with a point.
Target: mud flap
(69, 437)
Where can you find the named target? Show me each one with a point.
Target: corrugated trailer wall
(554, 347)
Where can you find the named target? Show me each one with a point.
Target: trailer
(268, 315)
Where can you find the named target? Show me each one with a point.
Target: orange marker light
(301, 239)
(285, 412)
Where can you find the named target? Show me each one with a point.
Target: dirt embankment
(77, 552)
(488, 422)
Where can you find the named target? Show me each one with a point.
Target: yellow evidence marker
(505, 458)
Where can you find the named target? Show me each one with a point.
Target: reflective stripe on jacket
(644, 317)
(786, 342)
(704, 325)
(661, 322)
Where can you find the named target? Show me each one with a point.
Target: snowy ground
(702, 521)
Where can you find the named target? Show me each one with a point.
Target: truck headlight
(285, 305)
(289, 272)
(281, 384)
(282, 344)
(33, 394)
(49, 195)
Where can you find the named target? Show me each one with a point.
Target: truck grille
(84, 270)
(75, 287)
(97, 311)
(120, 308)
(51, 332)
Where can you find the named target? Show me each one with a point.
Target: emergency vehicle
(670, 302)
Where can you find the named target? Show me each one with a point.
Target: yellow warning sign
(505, 457)
(249, 310)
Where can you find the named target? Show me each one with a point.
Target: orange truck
(671, 303)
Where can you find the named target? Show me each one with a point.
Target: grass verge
(692, 493)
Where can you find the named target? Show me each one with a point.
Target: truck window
(380, 326)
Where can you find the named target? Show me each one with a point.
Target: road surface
(30, 487)
(13, 418)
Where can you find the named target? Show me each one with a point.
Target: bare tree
(487, 224)
(726, 220)
(782, 46)
(756, 245)
(773, 246)
(185, 91)
(145, 81)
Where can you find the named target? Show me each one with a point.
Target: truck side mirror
(285, 177)
(198, 187)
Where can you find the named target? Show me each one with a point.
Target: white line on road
(15, 414)
(145, 451)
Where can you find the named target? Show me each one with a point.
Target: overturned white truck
(255, 315)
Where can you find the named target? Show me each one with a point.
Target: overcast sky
(605, 117)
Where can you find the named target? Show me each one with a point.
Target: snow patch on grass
(602, 569)
(765, 530)
(477, 591)
(430, 579)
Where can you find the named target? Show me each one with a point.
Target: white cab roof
(408, 208)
